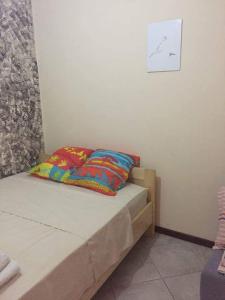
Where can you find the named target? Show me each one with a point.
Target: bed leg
(150, 232)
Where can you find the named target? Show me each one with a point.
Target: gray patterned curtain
(20, 111)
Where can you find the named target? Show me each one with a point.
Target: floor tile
(177, 262)
(134, 271)
(105, 293)
(176, 257)
(153, 290)
(186, 287)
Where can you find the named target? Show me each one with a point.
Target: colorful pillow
(58, 166)
(220, 239)
(136, 159)
(75, 156)
(105, 171)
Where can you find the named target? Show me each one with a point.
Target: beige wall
(96, 92)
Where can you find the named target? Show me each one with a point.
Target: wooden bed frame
(143, 223)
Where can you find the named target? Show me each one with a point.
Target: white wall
(96, 92)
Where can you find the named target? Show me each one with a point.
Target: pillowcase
(220, 239)
(105, 171)
(136, 159)
(58, 166)
(75, 156)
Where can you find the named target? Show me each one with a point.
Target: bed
(68, 240)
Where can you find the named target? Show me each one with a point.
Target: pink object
(220, 239)
(221, 268)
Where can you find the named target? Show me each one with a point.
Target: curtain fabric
(21, 137)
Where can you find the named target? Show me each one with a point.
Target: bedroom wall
(20, 111)
(96, 92)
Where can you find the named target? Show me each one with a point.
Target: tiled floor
(164, 268)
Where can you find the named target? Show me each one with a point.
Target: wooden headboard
(146, 178)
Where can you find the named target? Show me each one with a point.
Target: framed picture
(164, 46)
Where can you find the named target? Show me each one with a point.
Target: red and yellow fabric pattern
(58, 166)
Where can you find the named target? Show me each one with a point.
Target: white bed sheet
(100, 224)
(44, 254)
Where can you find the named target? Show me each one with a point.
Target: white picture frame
(164, 46)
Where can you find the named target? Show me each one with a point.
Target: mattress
(134, 196)
(44, 254)
(53, 229)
